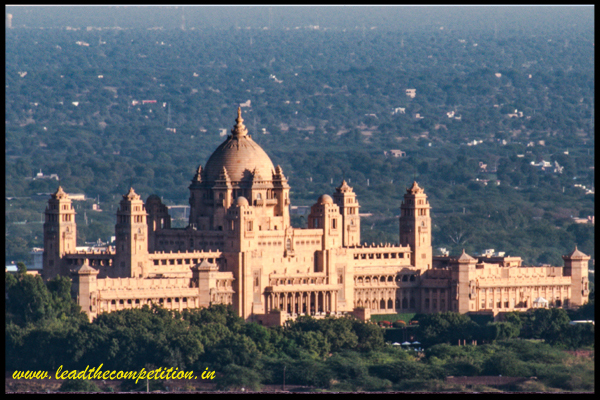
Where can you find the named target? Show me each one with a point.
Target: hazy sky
(517, 18)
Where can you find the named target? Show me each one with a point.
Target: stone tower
(281, 193)
(131, 233)
(576, 266)
(345, 198)
(415, 226)
(158, 220)
(325, 214)
(60, 234)
(463, 292)
(222, 191)
(241, 225)
(85, 288)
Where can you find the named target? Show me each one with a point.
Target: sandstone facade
(240, 249)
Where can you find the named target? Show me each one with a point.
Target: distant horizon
(385, 17)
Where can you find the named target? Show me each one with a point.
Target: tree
(403, 370)
(545, 323)
(237, 377)
(28, 299)
(505, 363)
(370, 336)
(235, 349)
(456, 230)
(586, 311)
(446, 327)
(575, 336)
(501, 331)
(62, 303)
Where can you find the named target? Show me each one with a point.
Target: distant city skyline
(483, 18)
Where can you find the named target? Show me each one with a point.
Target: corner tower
(325, 214)
(131, 233)
(415, 226)
(60, 234)
(576, 266)
(280, 196)
(158, 220)
(345, 199)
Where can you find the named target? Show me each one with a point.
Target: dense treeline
(551, 325)
(45, 329)
(330, 103)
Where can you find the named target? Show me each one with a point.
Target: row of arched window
(300, 281)
(388, 304)
(370, 280)
(372, 256)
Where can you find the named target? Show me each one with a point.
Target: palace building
(240, 249)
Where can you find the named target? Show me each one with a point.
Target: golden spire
(198, 176)
(239, 130)
(343, 187)
(415, 188)
(131, 195)
(60, 193)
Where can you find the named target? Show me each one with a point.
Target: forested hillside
(488, 110)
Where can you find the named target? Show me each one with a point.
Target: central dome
(240, 156)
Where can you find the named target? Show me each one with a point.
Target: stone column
(306, 302)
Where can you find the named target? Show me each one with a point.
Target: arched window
(288, 244)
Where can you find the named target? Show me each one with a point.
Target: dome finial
(131, 195)
(415, 188)
(239, 129)
(60, 193)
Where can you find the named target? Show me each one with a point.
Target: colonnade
(522, 297)
(385, 299)
(304, 302)
(171, 303)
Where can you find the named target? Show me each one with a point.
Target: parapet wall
(137, 283)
